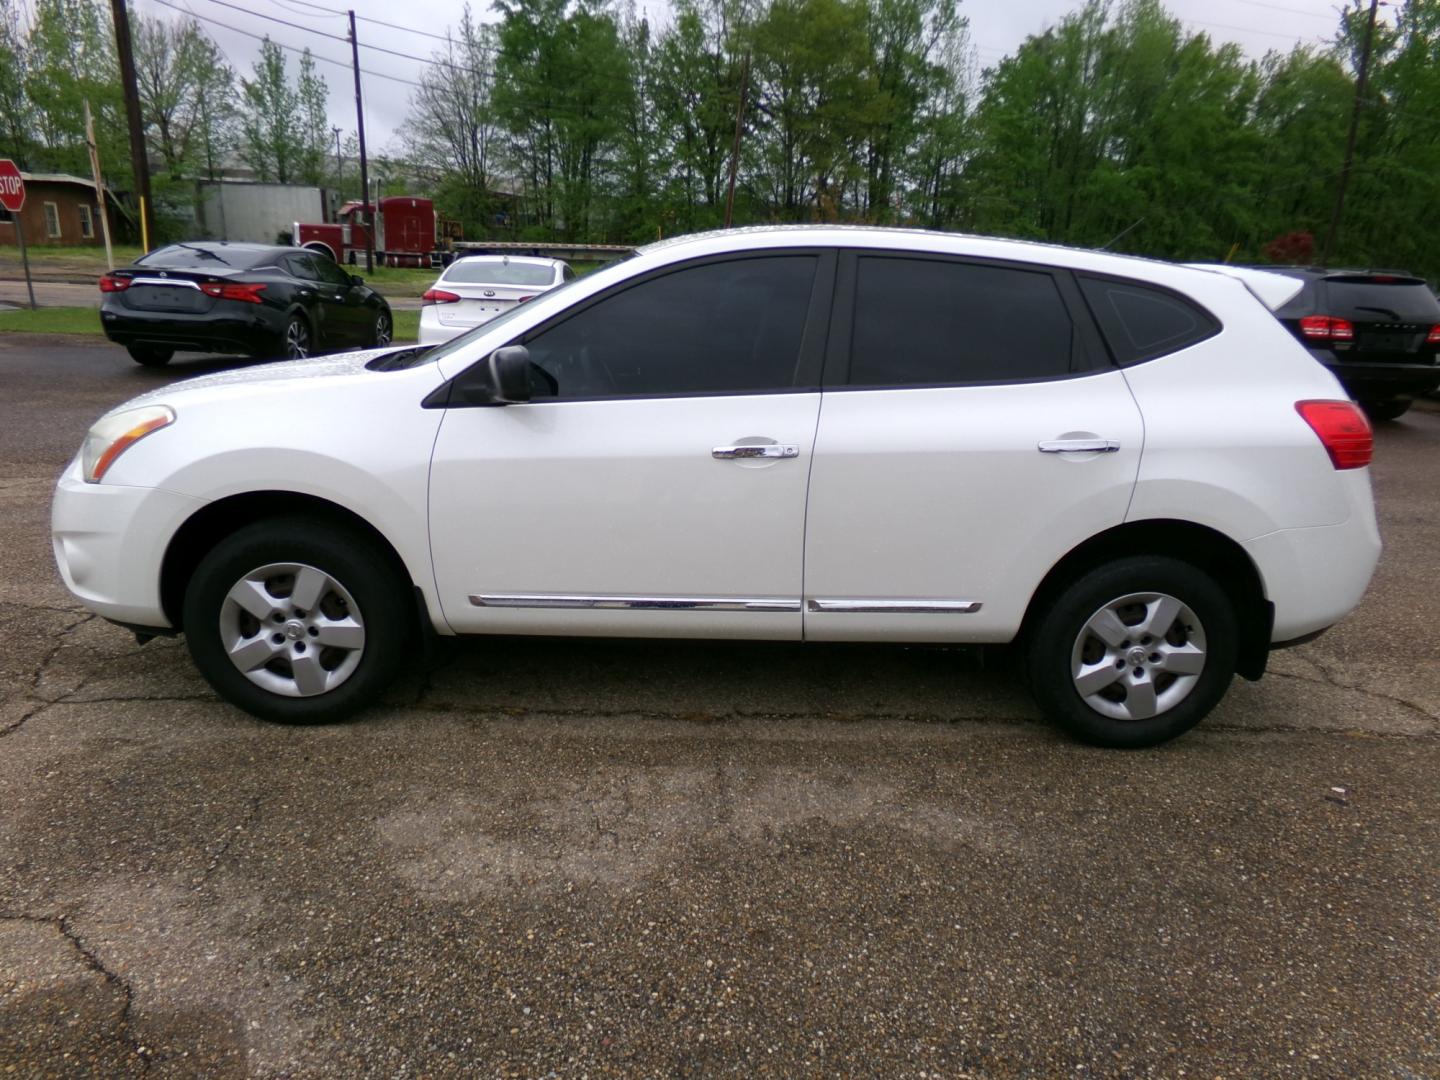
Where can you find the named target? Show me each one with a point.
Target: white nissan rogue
(822, 434)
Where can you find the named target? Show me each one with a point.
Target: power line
(281, 44)
(1291, 10)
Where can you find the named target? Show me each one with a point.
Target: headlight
(113, 435)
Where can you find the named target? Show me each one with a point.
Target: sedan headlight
(112, 435)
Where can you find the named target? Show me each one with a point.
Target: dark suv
(1378, 331)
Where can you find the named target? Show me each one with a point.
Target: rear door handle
(772, 450)
(1078, 446)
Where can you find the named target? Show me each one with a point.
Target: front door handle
(770, 450)
(1078, 446)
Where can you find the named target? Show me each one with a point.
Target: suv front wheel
(1134, 652)
(297, 621)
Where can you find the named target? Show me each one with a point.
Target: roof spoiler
(1272, 290)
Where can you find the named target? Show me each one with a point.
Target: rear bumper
(1317, 576)
(214, 331)
(435, 332)
(1367, 379)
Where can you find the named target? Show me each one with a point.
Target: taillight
(438, 296)
(114, 283)
(1343, 430)
(1327, 328)
(1433, 338)
(227, 290)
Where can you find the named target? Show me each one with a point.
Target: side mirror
(502, 378)
(356, 279)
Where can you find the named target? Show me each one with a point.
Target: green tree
(451, 133)
(185, 91)
(270, 120)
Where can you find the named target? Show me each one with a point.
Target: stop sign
(12, 188)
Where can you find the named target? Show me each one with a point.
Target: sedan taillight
(114, 283)
(1327, 328)
(228, 290)
(1433, 338)
(438, 296)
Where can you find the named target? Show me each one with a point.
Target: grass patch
(407, 325)
(51, 320)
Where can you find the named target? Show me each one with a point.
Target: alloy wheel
(1139, 656)
(382, 329)
(297, 340)
(292, 629)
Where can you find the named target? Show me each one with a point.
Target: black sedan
(215, 297)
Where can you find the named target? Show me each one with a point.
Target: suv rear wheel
(1134, 652)
(297, 621)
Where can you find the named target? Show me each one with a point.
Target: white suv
(825, 434)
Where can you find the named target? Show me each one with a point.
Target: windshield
(498, 272)
(193, 256)
(455, 345)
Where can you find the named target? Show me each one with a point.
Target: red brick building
(59, 210)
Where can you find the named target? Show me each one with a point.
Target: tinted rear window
(931, 323)
(1141, 322)
(1366, 301)
(203, 256)
(486, 272)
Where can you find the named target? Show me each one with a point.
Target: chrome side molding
(899, 607)
(631, 603)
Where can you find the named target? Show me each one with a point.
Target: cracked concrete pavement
(608, 858)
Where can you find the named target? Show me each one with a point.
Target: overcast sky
(996, 28)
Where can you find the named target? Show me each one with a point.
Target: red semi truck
(405, 233)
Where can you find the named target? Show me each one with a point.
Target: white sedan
(1127, 467)
(476, 288)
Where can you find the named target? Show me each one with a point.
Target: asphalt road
(586, 859)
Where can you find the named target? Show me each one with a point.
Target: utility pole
(1364, 72)
(138, 160)
(367, 215)
(339, 175)
(735, 149)
(99, 184)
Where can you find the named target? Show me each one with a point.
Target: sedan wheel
(1134, 652)
(383, 331)
(297, 338)
(298, 621)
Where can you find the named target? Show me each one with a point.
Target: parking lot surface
(541, 858)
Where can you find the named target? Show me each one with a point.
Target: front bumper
(110, 542)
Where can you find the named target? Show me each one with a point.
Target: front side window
(717, 328)
(301, 267)
(52, 221)
(326, 270)
(924, 322)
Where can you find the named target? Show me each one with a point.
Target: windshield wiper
(1383, 311)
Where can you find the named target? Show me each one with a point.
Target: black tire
(1381, 411)
(1055, 647)
(382, 331)
(297, 342)
(149, 356)
(378, 601)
